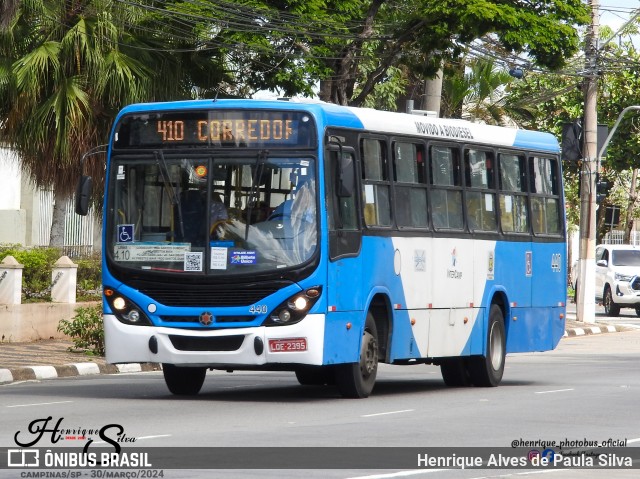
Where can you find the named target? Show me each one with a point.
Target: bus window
(545, 202)
(513, 199)
(341, 210)
(410, 187)
(479, 174)
(375, 194)
(446, 194)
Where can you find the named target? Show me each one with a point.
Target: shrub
(89, 279)
(36, 275)
(38, 265)
(85, 330)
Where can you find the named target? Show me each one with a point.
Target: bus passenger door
(345, 235)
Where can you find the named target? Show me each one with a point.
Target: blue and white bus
(322, 239)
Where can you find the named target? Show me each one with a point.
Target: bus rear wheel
(487, 371)
(454, 372)
(356, 380)
(183, 381)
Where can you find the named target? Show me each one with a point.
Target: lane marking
(141, 438)
(555, 391)
(386, 413)
(429, 471)
(152, 437)
(400, 474)
(40, 404)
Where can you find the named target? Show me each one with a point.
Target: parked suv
(618, 277)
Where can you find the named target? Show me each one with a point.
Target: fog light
(133, 316)
(284, 315)
(119, 303)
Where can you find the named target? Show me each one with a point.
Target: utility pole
(586, 308)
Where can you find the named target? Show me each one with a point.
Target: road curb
(591, 330)
(30, 373)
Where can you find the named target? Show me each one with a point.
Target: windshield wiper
(174, 198)
(254, 193)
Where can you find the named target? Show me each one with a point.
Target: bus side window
(342, 210)
(375, 194)
(545, 200)
(479, 174)
(513, 198)
(410, 186)
(446, 194)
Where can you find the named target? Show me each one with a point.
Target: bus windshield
(213, 215)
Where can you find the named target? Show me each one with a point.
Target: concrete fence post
(64, 280)
(10, 281)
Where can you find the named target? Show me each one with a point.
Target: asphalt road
(587, 389)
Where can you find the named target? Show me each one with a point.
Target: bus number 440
(258, 309)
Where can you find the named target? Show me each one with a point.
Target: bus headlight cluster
(125, 310)
(295, 308)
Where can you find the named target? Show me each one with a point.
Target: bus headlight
(294, 309)
(125, 310)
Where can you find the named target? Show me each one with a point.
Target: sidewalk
(50, 359)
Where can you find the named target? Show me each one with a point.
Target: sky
(616, 13)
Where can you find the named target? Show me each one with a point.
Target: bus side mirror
(346, 177)
(83, 193)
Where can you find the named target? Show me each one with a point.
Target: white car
(618, 277)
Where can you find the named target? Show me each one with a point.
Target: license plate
(287, 345)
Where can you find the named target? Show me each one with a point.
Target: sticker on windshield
(125, 233)
(242, 257)
(218, 258)
(193, 261)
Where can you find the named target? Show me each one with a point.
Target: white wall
(10, 180)
(12, 218)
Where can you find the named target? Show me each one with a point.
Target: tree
(477, 89)
(419, 35)
(546, 101)
(66, 68)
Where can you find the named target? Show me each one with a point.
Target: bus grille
(180, 294)
(217, 319)
(220, 343)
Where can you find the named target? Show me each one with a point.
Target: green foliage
(89, 286)
(36, 275)
(85, 330)
(38, 267)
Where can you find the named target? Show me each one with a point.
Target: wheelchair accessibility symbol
(125, 233)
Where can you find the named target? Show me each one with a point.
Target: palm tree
(477, 90)
(66, 68)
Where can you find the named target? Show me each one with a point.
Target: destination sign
(221, 128)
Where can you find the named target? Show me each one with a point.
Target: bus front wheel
(486, 371)
(356, 380)
(183, 381)
(314, 375)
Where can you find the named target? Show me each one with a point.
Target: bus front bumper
(300, 343)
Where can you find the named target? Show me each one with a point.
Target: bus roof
(332, 115)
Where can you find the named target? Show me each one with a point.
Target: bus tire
(454, 372)
(314, 375)
(356, 380)
(487, 371)
(183, 381)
